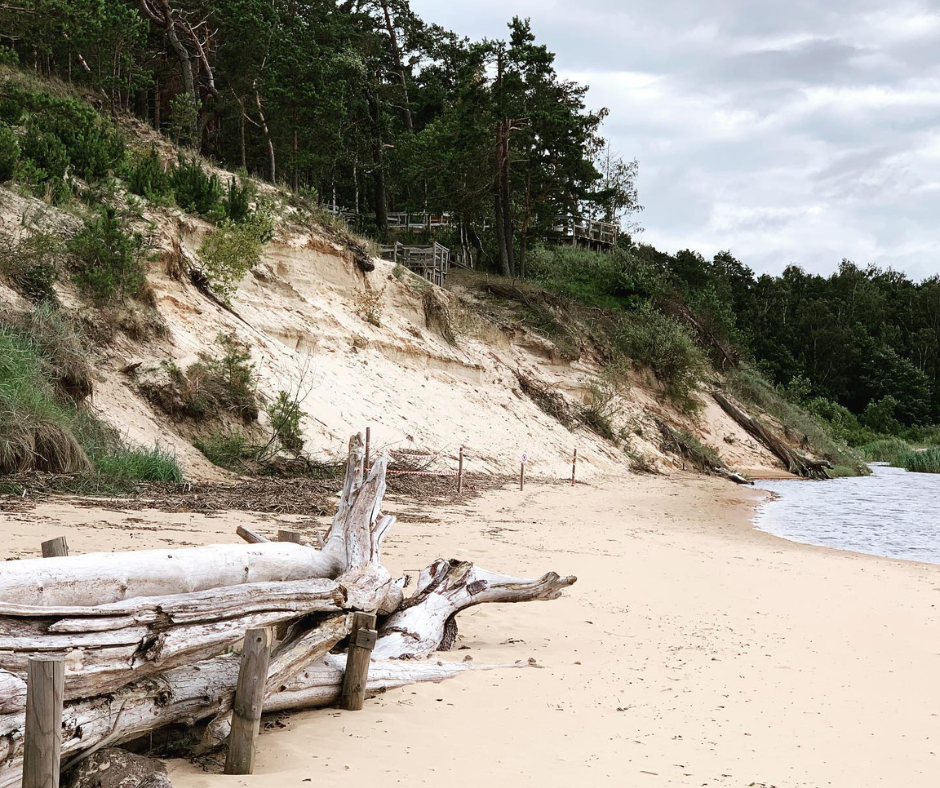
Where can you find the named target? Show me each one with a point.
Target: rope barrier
(418, 473)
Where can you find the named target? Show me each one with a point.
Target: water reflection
(891, 513)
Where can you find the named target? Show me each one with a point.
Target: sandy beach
(693, 650)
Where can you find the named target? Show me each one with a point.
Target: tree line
(359, 102)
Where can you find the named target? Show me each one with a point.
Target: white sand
(692, 651)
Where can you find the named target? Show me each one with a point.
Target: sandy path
(693, 651)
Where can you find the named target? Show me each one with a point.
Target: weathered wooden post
(249, 700)
(289, 536)
(55, 548)
(361, 643)
(522, 471)
(365, 461)
(574, 465)
(42, 747)
(460, 471)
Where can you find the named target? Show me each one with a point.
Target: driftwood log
(147, 636)
(795, 462)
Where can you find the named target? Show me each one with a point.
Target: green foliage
(926, 461)
(183, 118)
(9, 154)
(801, 426)
(43, 374)
(229, 449)
(147, 177)
(221, 382)
(649, 338)
(121, 467)
(31, 262)
(195, 191)
(237, 202)
(231, 251)
(285, 414)
(63, 132)
(879, 416)
(108, 258)
(888, 450)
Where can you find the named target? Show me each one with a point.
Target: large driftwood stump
(147, 646)
(795, 462)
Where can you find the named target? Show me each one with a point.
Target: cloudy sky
(788, 132)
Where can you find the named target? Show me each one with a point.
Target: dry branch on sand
(146, 636)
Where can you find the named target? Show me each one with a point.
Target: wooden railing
(431, 262)
(589, 230)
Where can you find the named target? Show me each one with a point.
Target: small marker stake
(460, 472)
(574, 465)
(525, 459)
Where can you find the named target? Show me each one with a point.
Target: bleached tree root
(426, 621)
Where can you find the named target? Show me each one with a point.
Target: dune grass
(43, 424)
(889, 450)
(926, 461)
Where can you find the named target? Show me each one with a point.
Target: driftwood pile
(147, 636)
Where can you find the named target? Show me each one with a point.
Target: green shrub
(147, 177)
(38, 282)
(926, 461)
(195, 191)
(183, 118)
(108, 258)
(662, 344)
(888, 450)
(228, 450)
(31, 262)
(46, 151)
(91, 143)
(237, 202)
(9, 154)
(285, 414)
(231, 251)
(121, 467)
(221, 382)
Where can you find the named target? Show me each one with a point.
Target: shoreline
(694, 649)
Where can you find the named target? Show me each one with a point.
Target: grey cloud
(787, 131)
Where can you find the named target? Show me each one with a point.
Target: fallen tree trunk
(795, 462)
(302, 674)
(139, 663)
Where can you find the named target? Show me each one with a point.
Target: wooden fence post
(42, 748)
(365, 461)
(55, 548)
(460, 471)
(288, 536)
(249, 700)
(574, 465)
(522, 475)
(361, 643)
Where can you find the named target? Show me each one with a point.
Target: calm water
(892, 513)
